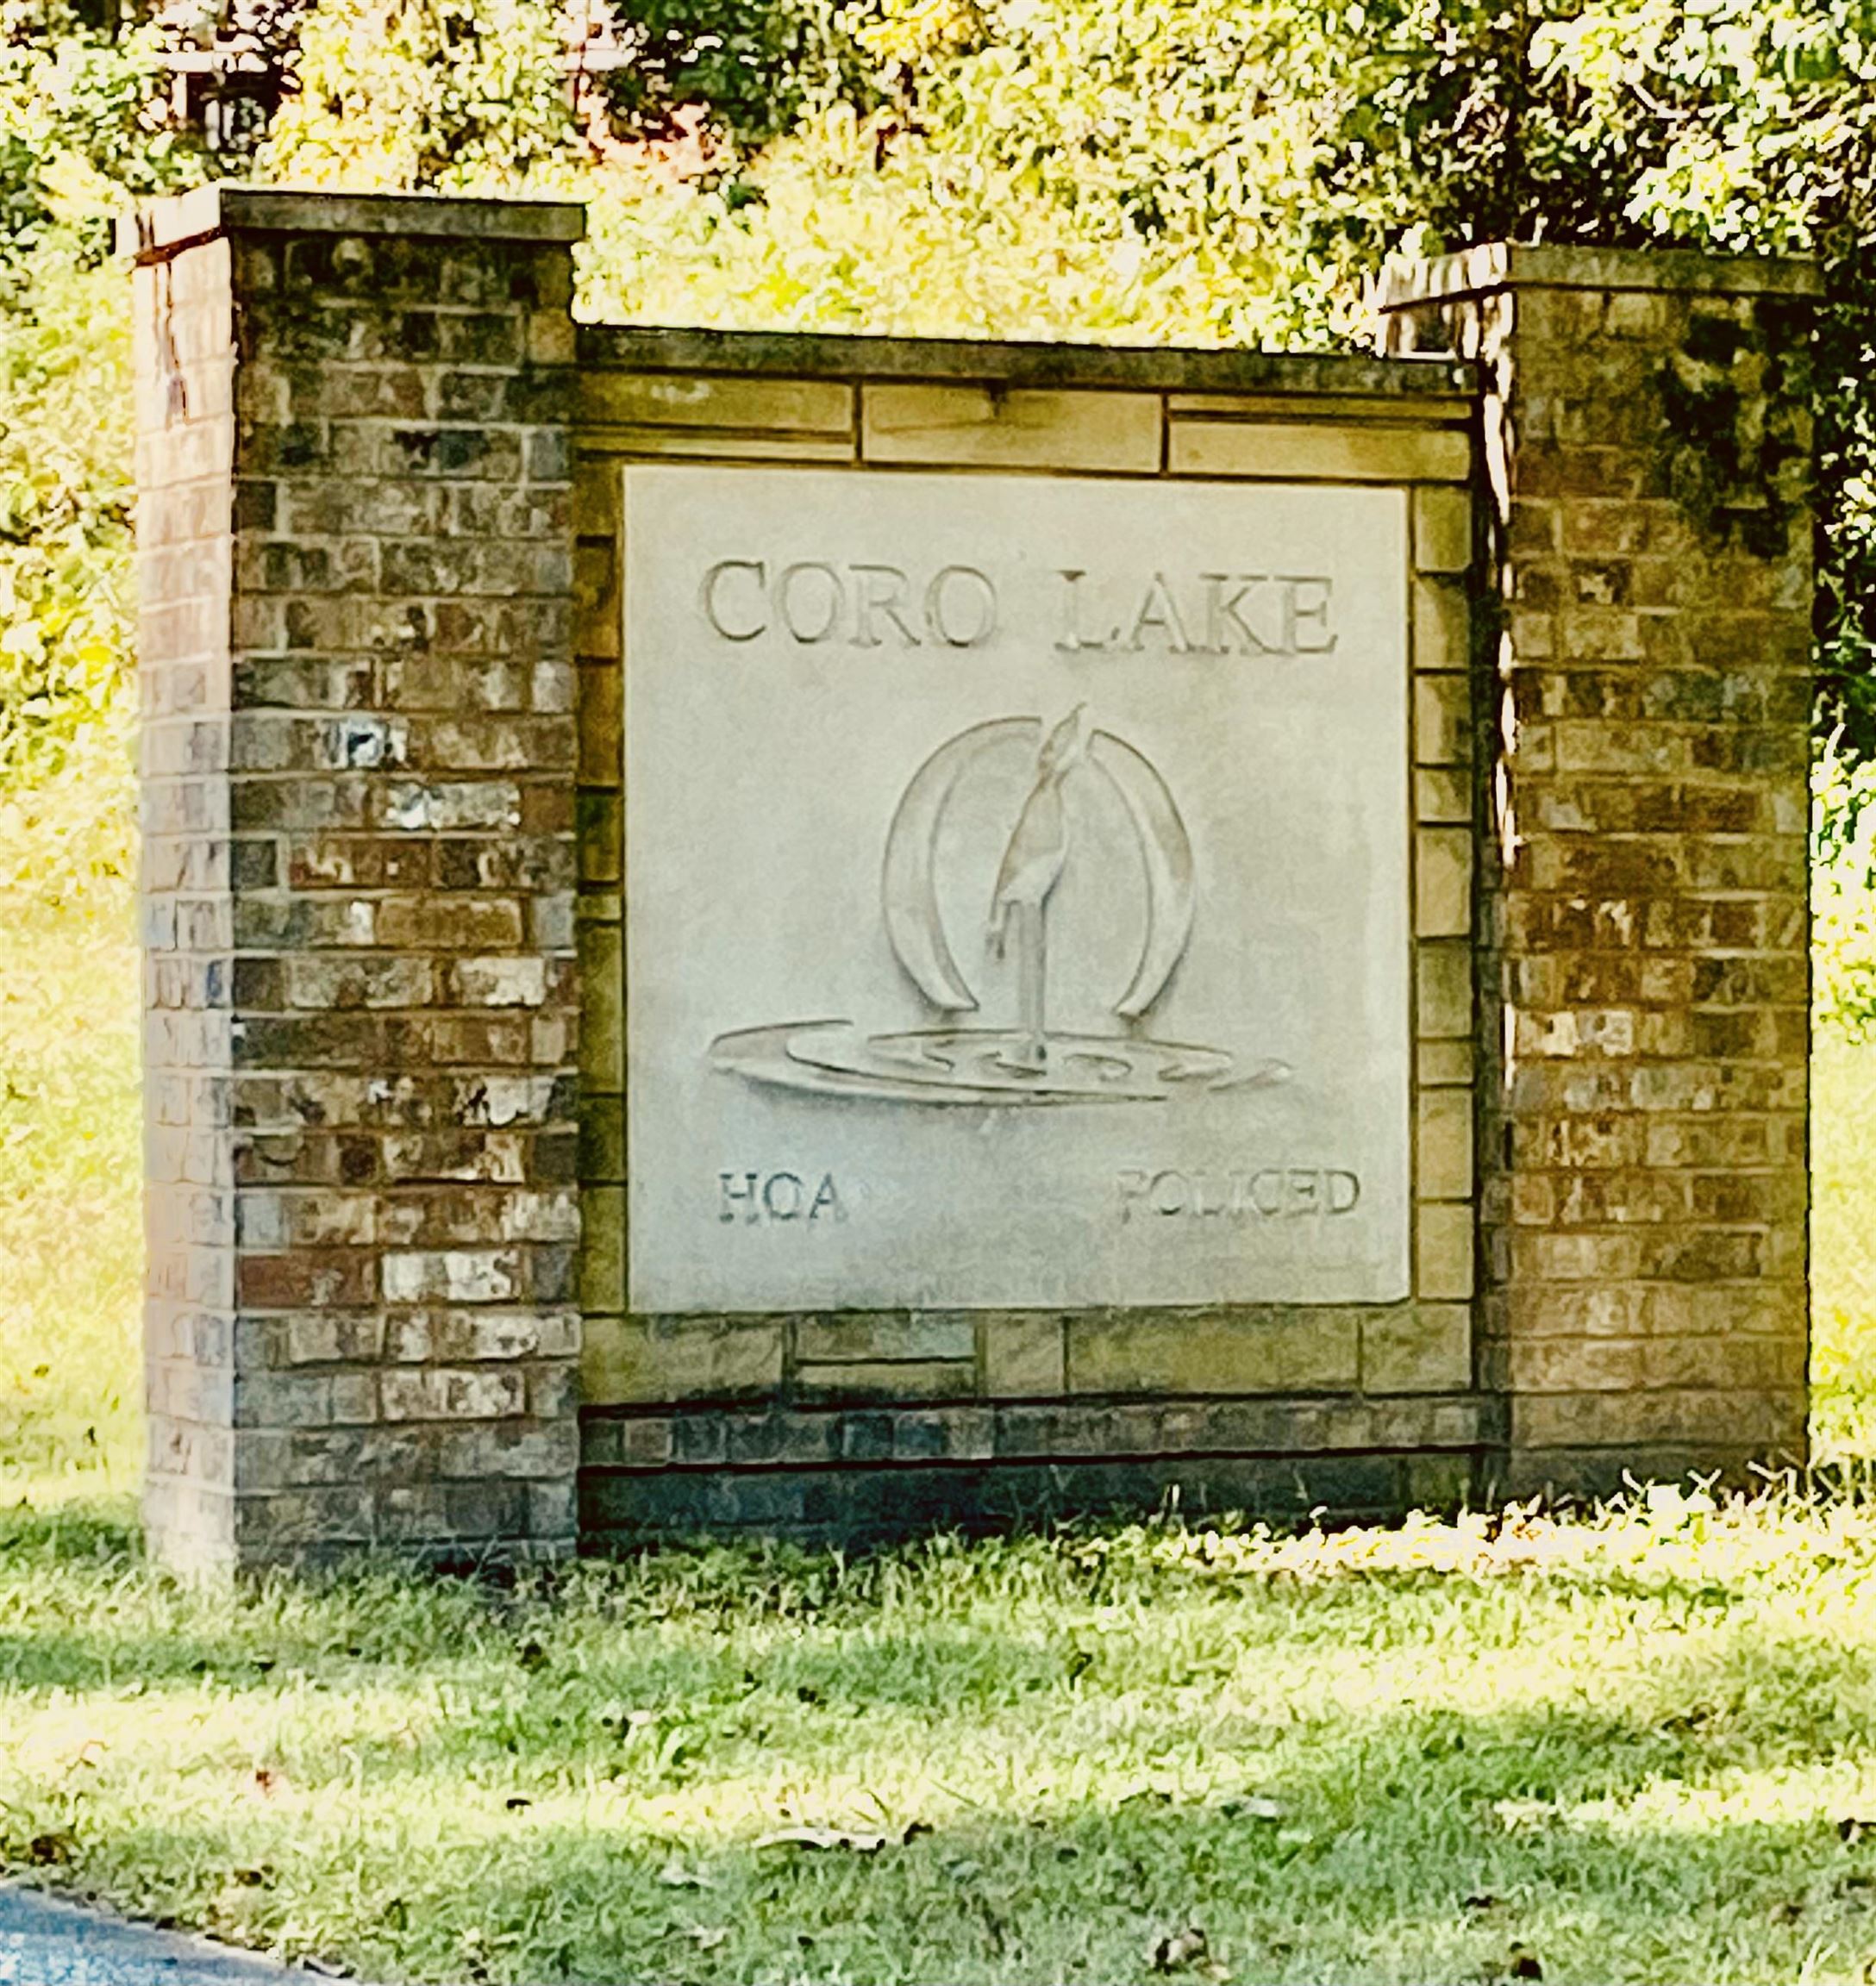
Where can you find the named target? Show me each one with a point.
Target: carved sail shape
(1166, 850)
(907, 888)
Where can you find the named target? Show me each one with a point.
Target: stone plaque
(1017, 905)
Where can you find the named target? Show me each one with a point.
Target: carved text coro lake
(809, 602)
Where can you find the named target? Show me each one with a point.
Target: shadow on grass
(1401, 1846)
(101, 1527)
(81, 1607)
(1684, 1822)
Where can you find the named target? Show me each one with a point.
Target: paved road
(47, 1943)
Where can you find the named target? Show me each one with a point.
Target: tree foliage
(1230, 171)
(423, 93)
(1205, 170)
(760, 67)
(1843, 893)
(66, 695)
(81, 123)
(1753, 127)
(81, 128)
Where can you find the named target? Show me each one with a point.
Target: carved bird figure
(1038, 850)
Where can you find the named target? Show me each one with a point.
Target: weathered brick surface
(359, 767)
(1645, 929)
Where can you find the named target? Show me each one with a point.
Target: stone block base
(878, 1474)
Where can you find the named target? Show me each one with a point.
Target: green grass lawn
(1639, 1746)
(1843, 1251)
(1638, 1749)
(71, 1235)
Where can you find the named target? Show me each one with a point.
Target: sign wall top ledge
(1424, 385)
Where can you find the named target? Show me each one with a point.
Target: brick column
(358, 778)
(1644, 932)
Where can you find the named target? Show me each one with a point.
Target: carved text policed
(1268, 1192)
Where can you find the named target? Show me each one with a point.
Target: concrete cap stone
(1514, 264)
(1414, 379)
(159, 227)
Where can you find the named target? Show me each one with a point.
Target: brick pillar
(1644, 932)
(359, 776)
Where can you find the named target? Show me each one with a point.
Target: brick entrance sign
(828, 934)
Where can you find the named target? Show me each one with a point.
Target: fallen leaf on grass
(1682, 1721)
(822, 1837)
(624, 1723)
(1187, 1951)
(860, 1843)
(1522, 1963)
(1177, 1950)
